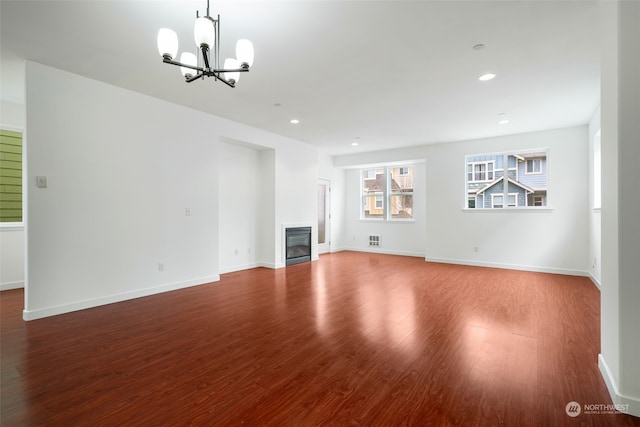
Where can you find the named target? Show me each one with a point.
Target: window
(370, 174)
(534, 166)
(379, 202)
(497, 200)
(480, 172)
(10, 176)
(387, 193)
(519, 178)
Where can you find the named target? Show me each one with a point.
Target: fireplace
(298, 245)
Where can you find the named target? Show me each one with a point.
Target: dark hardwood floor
(353, 339)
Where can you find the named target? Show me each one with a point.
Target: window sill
(11, 226)
(503, 210)
(389, 221)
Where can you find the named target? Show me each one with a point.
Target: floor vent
(374, 241)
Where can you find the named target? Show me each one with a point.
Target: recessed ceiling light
(486, 77)
(294, 121)
(355, 144)
(277, 104)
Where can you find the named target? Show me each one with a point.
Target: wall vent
(374, 241)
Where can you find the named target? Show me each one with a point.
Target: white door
(324, 216)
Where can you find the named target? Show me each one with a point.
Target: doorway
(324, 215)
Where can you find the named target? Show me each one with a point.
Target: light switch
(41, 181)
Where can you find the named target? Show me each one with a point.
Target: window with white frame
(506, 180)
(387, 193)
(480, 171)
(534, 166)
(497, 200)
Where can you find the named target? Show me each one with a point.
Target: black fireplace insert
(298, 244)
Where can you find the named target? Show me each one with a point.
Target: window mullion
(505, 190)
(386, 195)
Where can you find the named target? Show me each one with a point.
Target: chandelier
(206, 62)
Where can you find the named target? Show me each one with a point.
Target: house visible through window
(387, 193)
(520, 178)
(10, 177)
(534, 165)
(379, 202)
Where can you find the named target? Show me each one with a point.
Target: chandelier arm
(180, 64)
(234, 70)
(225, 81)
(194, 78)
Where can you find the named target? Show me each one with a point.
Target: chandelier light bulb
(244, 52)
(167, 43)
(231, 64)
(204, 32)
(188, 58)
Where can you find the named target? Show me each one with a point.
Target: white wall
(401, 238)
(12, 117)
(296, 203)
(595, 228)
(119, 184)
(620, 293)
(11, 258)
(121, 168)
(553, 240)
(238, 208)
(396, 237)
(268, 231)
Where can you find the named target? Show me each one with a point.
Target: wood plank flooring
(352, 339)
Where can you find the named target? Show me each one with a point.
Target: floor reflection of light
(371, 312)
(475, 356)
(402, 328)
(321, 303)
(388, 316)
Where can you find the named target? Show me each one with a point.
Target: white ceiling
(391, 73)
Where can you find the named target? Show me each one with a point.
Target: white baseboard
(11, 285)
(534, 268)
(239, 267)
(627, 404)
(110, 299)
(595, 281)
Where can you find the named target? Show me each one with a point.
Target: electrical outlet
(160, 266)
(475, 249)
(187, 211)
